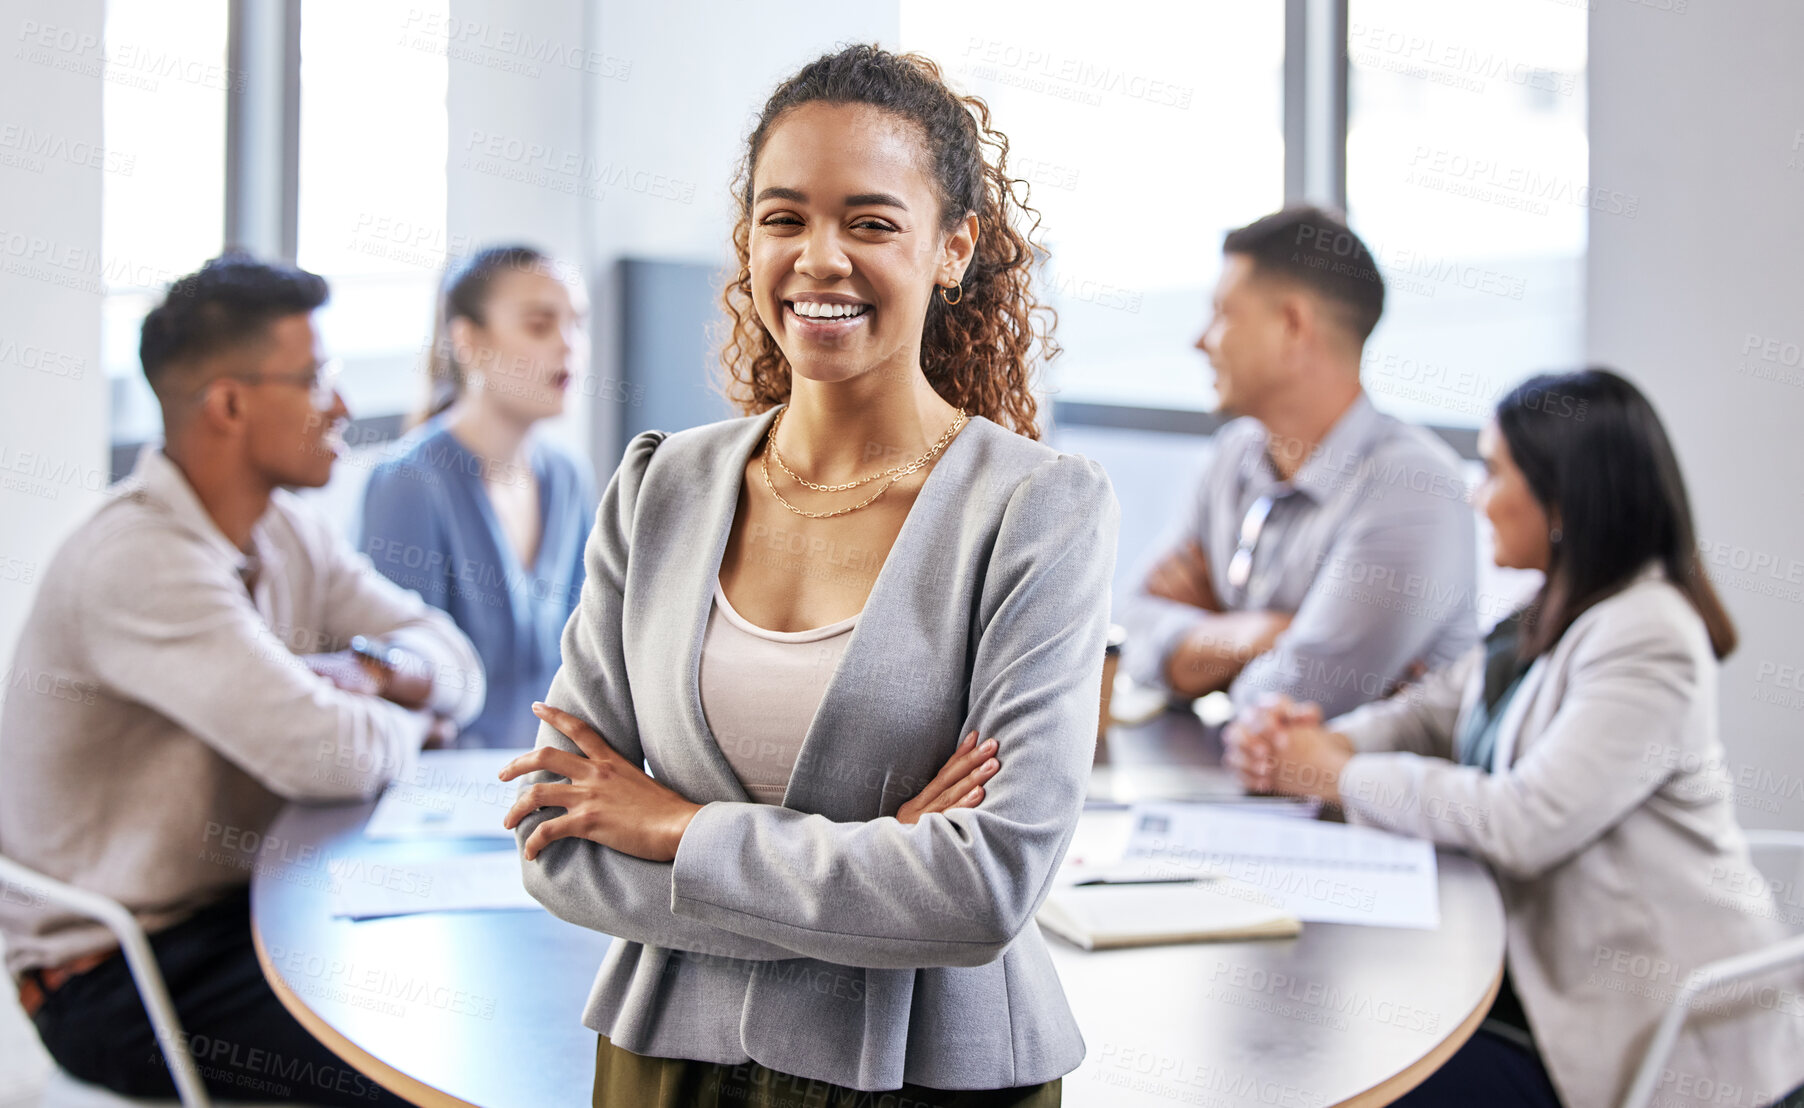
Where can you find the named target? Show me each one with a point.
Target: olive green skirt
(627, 1080)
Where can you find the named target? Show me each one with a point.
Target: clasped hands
(1280, 746)
(609, 800)
(410, 687)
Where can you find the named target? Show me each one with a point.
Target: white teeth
(809, 309)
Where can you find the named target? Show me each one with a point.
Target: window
(1141, 150)
(1145, 134)
(163, 114)
(372, 187)
(1467, 177)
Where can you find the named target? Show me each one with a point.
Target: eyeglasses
(1240, 566)
(321, 381)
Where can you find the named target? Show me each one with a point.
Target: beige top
(158, 714)
(760, 690)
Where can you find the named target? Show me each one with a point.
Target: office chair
(1725, 971)
(138, 957)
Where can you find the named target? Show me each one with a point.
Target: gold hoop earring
(950, 300)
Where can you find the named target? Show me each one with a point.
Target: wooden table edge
(1394, 1086)
(411, 1089)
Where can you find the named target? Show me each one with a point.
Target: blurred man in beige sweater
(201, 651)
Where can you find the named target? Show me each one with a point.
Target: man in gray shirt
(1328, 550)
(187, 668)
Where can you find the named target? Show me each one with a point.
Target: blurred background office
(1544, 183)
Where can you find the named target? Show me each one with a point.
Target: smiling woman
(819, 625)
(934, 141)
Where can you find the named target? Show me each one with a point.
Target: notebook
(1105, 914)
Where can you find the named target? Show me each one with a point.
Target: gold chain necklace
(901, 470)
(895, 474)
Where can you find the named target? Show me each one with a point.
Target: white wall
(53, 395)
(1697, 110)
(515, 102)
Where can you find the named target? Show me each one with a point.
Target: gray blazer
(1610, 823)
(822, 937)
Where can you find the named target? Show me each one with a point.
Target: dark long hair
(977, 353)
(1596, 456)
(464, 294)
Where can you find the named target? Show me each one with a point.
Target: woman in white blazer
(802, 621)
(1576, 751)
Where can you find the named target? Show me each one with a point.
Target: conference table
(483, 1008)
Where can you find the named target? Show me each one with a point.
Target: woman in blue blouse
(482, 517)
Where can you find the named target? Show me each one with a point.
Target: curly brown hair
(979, 353)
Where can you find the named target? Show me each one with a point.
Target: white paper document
(451, 794)
(460, 883)
(1319, 872)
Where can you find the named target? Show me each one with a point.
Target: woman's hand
(1281, 747)
(959, 784)
(1248, 742)
(608, 800)
(1309, 761)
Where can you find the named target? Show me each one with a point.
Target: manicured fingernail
(989, 745)
(989, 766)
